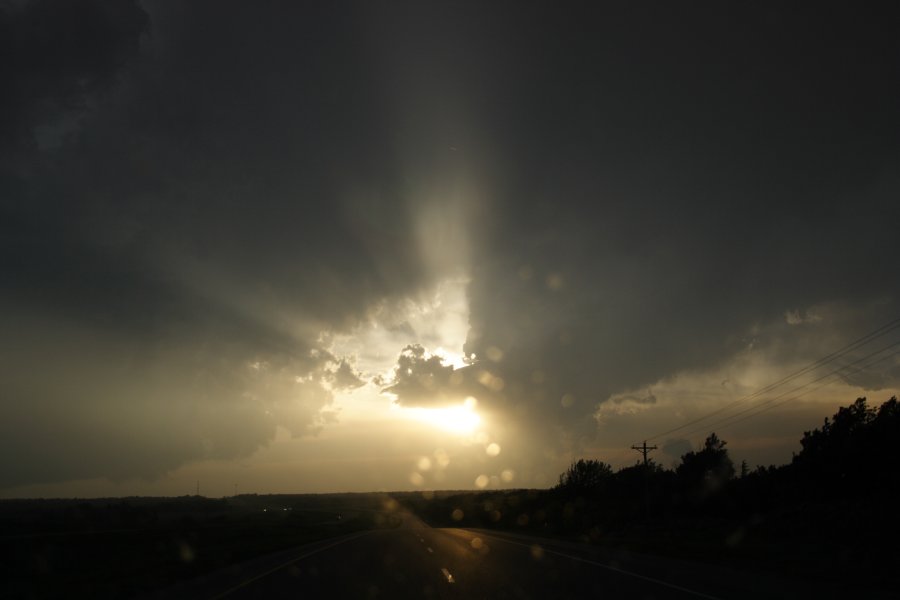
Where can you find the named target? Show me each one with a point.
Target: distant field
(113, 548)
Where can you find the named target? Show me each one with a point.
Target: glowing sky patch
(461, 419)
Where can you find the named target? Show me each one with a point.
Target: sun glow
(460, 419)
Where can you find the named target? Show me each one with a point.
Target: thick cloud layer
(193, 197)
(668, 182)
(196, 197)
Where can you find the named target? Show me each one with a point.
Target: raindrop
(185, 552)
(441, 458)
(554, 281)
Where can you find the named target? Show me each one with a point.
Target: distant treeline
(831, 512)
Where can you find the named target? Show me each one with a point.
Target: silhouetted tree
(707, 469)
(585, 476)
(852, 451)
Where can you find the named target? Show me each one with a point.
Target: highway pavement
(418, 561)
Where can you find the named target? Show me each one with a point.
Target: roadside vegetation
(829, 515)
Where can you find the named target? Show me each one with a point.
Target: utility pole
(644, 449)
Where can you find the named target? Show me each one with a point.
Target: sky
(286, 247)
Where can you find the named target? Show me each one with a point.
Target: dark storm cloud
(57, 56)
(665, 179)
(690, 174)
(192, 194)
(227, 132)
(192, 197)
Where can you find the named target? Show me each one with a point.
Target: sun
(461, 419)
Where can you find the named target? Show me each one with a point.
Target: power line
(750, 416)
(883, 330)
(862, 341)
(768, 404)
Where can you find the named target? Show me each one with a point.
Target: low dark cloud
(345, 377)
(420, 379)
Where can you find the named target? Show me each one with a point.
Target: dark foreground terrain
(415, 560)
(824, 526)
(119, 548)
(373, 546)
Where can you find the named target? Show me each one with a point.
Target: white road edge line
(247, 582)
(609, 567)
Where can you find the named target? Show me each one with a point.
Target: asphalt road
(417, 561)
